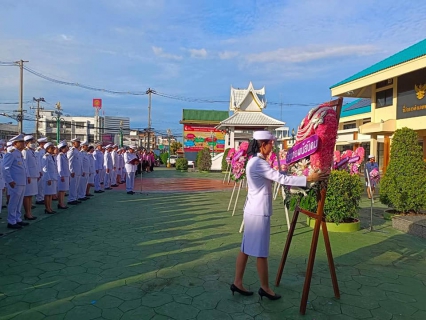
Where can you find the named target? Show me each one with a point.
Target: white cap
(42, 140)
(371, 156)
(19, 137)
(29, 137)
(263, 135)
(75, 140)
(10, 148)
(9, 143)
(47, 145)
(133, 147)
(62, 144)
(115, 146)
(108, 146)
(85, 143)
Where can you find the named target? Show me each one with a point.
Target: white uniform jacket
(2, 182)
(14, 168)
(31, 161)
(259, 179)
(63, 165)
(114, 156)
(99, 159)
(128, 157)
(92, 168)
(40, 153)
(108, 160)
(75, 162)
(85, 162)
(50, 171)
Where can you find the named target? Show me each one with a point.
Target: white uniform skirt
(64, 186)
(257, 230)
(52, 189)
(31, 189)
(91, 178)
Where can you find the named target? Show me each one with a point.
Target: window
(367, 120)
(384, 98)
(349, 125)
(91, 126)
(79, 125)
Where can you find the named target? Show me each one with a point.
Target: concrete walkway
(172, 256)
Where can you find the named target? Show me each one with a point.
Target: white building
(8, 130)
(92, 129)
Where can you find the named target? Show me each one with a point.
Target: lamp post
(293, 135)
(169, 133)
(58, 120)
(121, 133)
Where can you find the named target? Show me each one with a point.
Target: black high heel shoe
(263, 293)
(242, 292)
(59, 207)
(29, 218)
(49, 212)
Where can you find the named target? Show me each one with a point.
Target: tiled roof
(238, 96)
(204, 115)
(415, 51)
(251, 119)
(356, 107)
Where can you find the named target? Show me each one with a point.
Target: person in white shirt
(258, 211)
(131, 163)
(84, 157)
(50, 177)
(40, 153)
(92, 171)
(63, 173)
(75, 165)
(108, 167)
(98, 156)
(33, 167)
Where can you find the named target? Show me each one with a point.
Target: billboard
(97, 103)
(411, 95)
(195, 138)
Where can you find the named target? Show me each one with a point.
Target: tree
(174, 146)
(204, 160)
(404, 185)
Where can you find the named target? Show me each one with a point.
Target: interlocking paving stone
(172, 256)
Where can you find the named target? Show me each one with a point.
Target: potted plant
(341, 204)
(204, 160)
(182, 164)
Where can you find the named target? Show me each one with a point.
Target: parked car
(173, 160)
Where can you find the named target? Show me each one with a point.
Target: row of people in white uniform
(49, 171)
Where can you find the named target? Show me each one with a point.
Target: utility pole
(169, 133)
(37, 114)
(21, 96)
(149, 92)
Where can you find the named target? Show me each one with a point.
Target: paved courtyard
(171, 255)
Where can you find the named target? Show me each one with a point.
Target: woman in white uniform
(92, 171)
(50, 177)
(33, 167)
(63, 174)
(258, 211)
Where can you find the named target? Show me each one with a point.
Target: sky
(194, 49)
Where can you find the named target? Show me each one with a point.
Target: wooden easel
(319, 222)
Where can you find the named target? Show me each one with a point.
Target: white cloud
(66, 38)
(198, 53)
(306, 54)
(159, 52)
(225, 55)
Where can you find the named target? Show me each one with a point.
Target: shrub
(181, 164)
(204, 161)
(164, 157)
(403, 187)
(224, 163)
(342, 201)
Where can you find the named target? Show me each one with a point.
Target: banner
(303, 149)
(195, 138)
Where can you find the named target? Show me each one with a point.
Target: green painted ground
(171, 256)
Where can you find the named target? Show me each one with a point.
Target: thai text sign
(196, 138)
(303, 149)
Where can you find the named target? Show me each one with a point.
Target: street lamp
(169, 133)
(58, 120)
(293, 135)
(212, 138)
(121, 133)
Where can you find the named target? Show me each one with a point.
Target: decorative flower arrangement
(283, 164)
(230, 155)
(239, 162)
(375, 175)
(320, 121)
(349, 160)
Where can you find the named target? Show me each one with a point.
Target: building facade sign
(195, 138)
(412, 95)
